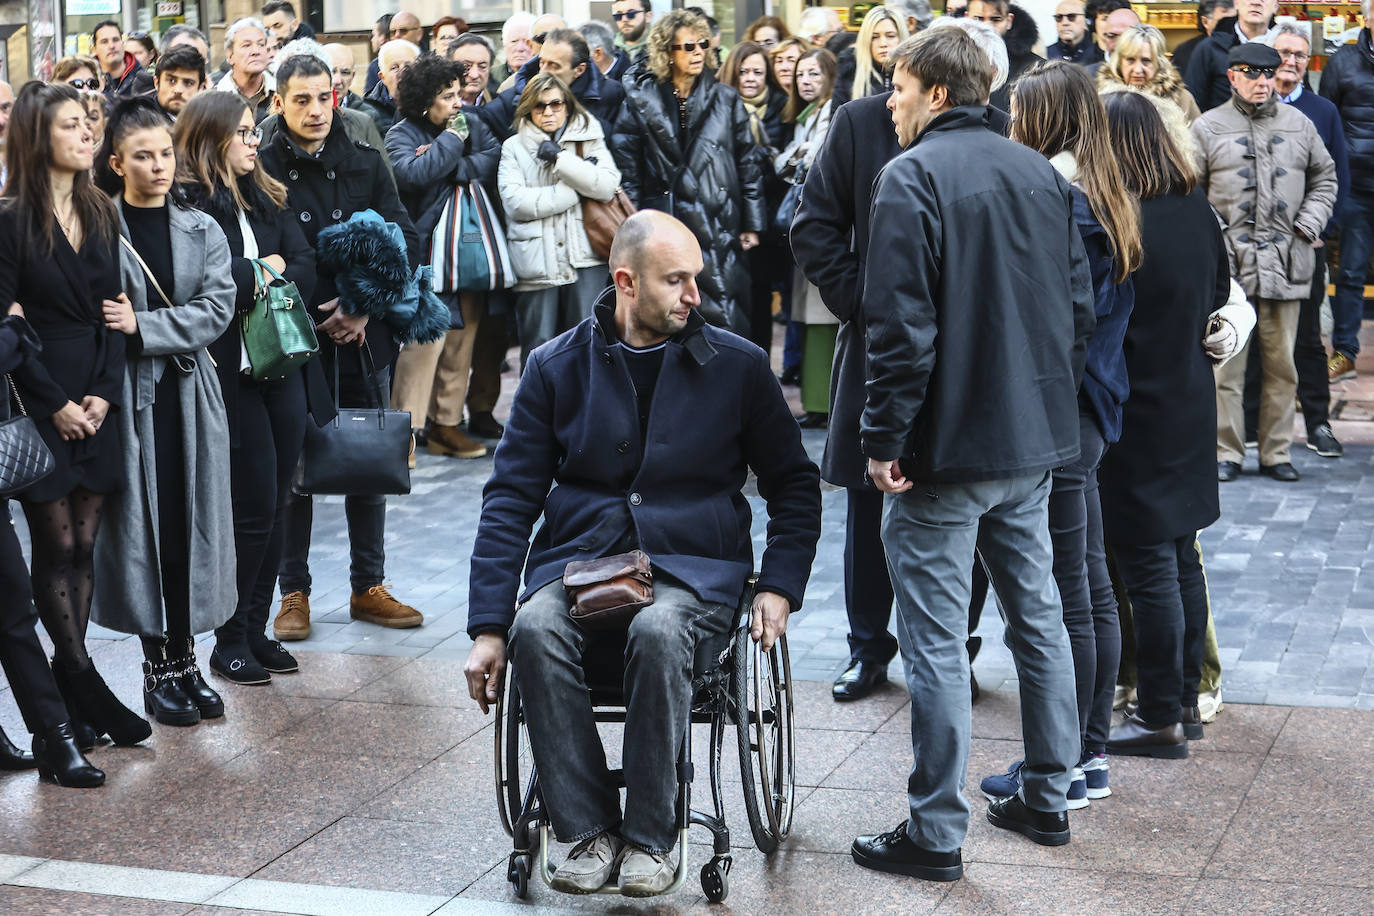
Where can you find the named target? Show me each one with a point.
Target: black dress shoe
(1284, 472)
(238, 664)
(59, 760)
(791, 376)
(1135, 737)
(895, 853)
(484, 426)
(813, 419)
(1048, 828)
(1192, 723)
(11, 757)
(1227, 471)
(273, 656)
(858, 681)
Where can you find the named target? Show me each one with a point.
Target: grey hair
(391, 47)
(816, 19)
(915, 9)
(247, 22)
(987, 40)
(598, 35)
(178, 30)
(306, 46)
(1288, 28)
(516, 20)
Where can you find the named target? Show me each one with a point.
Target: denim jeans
(546, 651)
(1357, 244)
(365, 515)
(1085, 586)
(929, 533)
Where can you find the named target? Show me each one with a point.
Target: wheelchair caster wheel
(715, 883)
(518, 874)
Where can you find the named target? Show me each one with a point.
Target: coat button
(337, 214)
(635, 499)
(293, 175)
(622, 446)
(606, 358)
(329, 174)
(305, 217)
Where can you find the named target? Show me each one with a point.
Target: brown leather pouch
(606, 593)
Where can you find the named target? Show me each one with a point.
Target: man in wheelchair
(634, 430)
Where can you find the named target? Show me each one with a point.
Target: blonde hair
(863, 46)
(660, 43)
(1166, 80)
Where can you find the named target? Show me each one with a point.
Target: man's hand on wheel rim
(768, 620)
(485, 667)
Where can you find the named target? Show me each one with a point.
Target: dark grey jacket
(425, 180)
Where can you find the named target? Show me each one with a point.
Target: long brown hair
(1058, 110)
(28, 188)
(1151, 163)
(203, 132)
(795, 103)
(729, 71)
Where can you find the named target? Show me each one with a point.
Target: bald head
(547, 23)
(654, 262)
(1118, 22)
(407, 26)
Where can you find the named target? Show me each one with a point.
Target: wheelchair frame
(747, 687)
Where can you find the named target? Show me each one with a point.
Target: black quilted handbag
(24, 456)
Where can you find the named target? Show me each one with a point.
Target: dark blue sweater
(1105, 383)
(1327, 119)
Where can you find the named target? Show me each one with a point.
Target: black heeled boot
(163, 698)
(183, 657)
(86, 736)
(97, 704)
(59, 760)
(11, 757)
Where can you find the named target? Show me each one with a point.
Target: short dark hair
(1094, 8)
(278, 6)
(182, 29)
(422, 82)
(643, 5)
(182, 57)
(949, 58)
(304, 65)
(105, 24)
(581, 52)
(384, 21)
(472, 38)
(1206, 8)
(1001, 5)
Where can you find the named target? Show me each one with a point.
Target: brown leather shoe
(293, 619)
(377, 605)
(449, 440)
(1192, 723)
(1135, 737)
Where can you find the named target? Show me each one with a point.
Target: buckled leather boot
(163, 697)
(191, 681)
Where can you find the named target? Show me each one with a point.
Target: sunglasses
(690, 46)
(1066, 17)
(84, 84)
(632, 14)
(555, 105)
(1254, 73)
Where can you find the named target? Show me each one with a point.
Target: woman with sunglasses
(80, 72)
(217, 159)
(684, 146)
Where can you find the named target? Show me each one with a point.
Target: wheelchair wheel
(761, 691)
(514, 761)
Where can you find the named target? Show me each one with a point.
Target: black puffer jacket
(1020, 40)
(1348, 81)
(711, 179)
(974, 362)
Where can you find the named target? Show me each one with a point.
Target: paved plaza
(364, 783)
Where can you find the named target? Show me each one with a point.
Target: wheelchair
(734, 683)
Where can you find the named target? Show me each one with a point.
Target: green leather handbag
(278, 334)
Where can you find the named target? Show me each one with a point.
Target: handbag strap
(369, 371)
(146, 270)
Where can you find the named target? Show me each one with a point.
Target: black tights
(63, 534)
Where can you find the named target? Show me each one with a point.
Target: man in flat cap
(1272, 182)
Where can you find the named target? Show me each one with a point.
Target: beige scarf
(757, 108)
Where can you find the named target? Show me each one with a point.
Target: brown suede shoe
(449, 440)
(377, 605)
(293, 619)
(1135, 737)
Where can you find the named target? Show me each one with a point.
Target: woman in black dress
(59, 259)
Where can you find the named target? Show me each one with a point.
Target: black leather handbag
(24, 456)
(363, 451)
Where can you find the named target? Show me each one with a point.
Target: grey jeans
(929, 532)
(546, 651)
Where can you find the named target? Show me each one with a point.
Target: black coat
(347, 177)
(712, 179)
(574, 427)
(598, 93)
(1084, 53)
(1183, 54)
(1348, 81)
(1206, 73)
(1020, 41)
(381, 108)
(976, 346)
(1159, 481)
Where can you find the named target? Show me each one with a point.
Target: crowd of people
(1039, 421)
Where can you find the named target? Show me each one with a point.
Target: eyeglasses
(555, 105)
(690, 46)
(1066, 17)
(249, 135)
(79, 85)
(632, 14)
(1298, 56)
(1254, 73)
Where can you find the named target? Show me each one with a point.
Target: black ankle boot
(163, 698)
(59, 760)
(190, 680)
(86, 736)
(98, 705)
(11, 757)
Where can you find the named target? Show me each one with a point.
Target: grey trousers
(929, 532)
(546, 650)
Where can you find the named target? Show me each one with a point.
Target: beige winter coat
(544, 202)
(1273, 184)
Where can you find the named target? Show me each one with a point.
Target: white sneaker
(1209, 705)
(644, 874)
(589, 865)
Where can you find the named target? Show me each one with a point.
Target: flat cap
(1253, 54)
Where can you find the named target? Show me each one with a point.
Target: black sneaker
(274, 657)
(484, 426)
(238, 665)
(895, 852)
(1048, 828)
(1323, 442)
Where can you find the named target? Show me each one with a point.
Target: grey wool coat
(128, 581)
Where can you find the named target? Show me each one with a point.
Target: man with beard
(632, 20)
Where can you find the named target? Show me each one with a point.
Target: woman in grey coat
(165, 566)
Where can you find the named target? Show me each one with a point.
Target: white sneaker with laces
(589, 866)
(1209, 705)
(644, 874)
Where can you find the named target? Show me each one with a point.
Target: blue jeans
(1357, 244)
(929, 533)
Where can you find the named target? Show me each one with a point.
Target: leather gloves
(548, 151)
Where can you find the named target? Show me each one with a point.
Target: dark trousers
(1309, 357)
(767, 263)
(271, 430)
(21, 654)
(173, 528)
(1169, 606)
(365, 515)
(488, 350)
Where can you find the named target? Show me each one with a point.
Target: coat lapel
(188, 253)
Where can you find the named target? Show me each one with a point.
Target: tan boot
(449, 440)
(377, 605)
(293, 620)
